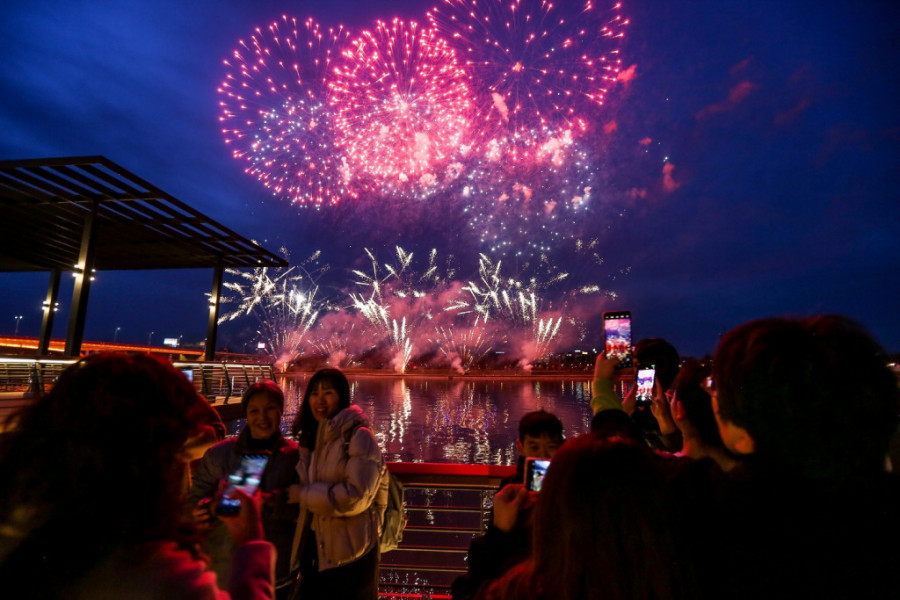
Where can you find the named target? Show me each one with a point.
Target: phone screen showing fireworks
(617, 331)
(247, 478)
(646, 377)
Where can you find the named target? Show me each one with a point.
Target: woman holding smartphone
(91, 504)
(263, 405)
(342, 493)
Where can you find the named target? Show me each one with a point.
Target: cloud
(741, 66)
(628, 75)
(785, 117)
(635, 193)
(645, 141)
(610, 127)
(736, 95)
(669, 183)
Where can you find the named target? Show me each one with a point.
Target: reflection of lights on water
(470, 421)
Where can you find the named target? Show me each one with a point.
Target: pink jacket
(162, 571)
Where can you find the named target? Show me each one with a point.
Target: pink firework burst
(402, 107)
(542, 68)
(274, 113)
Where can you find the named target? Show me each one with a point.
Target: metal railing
(446, 505)
(22, 379)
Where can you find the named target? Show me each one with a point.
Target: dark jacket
(279, 517)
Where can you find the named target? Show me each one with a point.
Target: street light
(18, 318)
(150, 338)
(116, 334)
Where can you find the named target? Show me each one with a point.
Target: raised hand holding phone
(507, 504)
(245, 524)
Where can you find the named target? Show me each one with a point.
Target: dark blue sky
(778, 122)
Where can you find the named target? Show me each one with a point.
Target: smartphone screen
(246, 477)
(646, 379)
(617, 333)
(535, 470)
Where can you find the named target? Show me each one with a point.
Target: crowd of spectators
(762, 473)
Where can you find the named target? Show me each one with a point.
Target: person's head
(663, 355)
(691, 404)
(812, 395)
(540, 434)
(263, 405)
(326, 394)
(96, 463)
(604, 525)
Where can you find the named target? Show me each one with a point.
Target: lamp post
(18, 319)
(150, 338)
(116, 335)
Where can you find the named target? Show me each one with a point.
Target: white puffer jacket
(339, 483)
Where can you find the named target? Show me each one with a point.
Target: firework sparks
(462, 349)
(283, 302)
(274, 113)
(401, 102)
(541, 68)
(392, 289)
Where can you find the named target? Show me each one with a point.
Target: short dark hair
(815, 394)
(264, 386)
(305, 425)
(538, 423)
(663, 355)
(696, 401)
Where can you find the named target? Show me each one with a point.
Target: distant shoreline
(444, 374)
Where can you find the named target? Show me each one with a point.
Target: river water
(459, 420)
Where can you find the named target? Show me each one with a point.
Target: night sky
(746, 165)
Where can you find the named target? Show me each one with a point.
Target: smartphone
(535, 470)
(246, 477)
(617, 334)
(646, 380)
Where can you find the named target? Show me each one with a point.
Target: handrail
(23, 378)
(447, 505)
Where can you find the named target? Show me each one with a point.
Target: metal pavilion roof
(44, 204)
(86, 214)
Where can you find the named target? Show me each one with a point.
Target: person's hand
(659, 406)
(246, 525)
(201, 514)
(507, 504)
(629, 403)
(605, 368)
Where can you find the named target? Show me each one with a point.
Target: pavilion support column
(49, 310)
(83, 273)
(212, 328)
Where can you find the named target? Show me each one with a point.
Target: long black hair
(305, 425)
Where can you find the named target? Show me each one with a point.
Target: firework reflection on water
(453, 420)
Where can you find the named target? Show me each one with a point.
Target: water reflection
(458, 420)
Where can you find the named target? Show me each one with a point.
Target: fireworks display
(274, 113)
(401, 104)
(540, 69)
(282, 301)
(485, 119)
(403, 310)
(496, 93)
